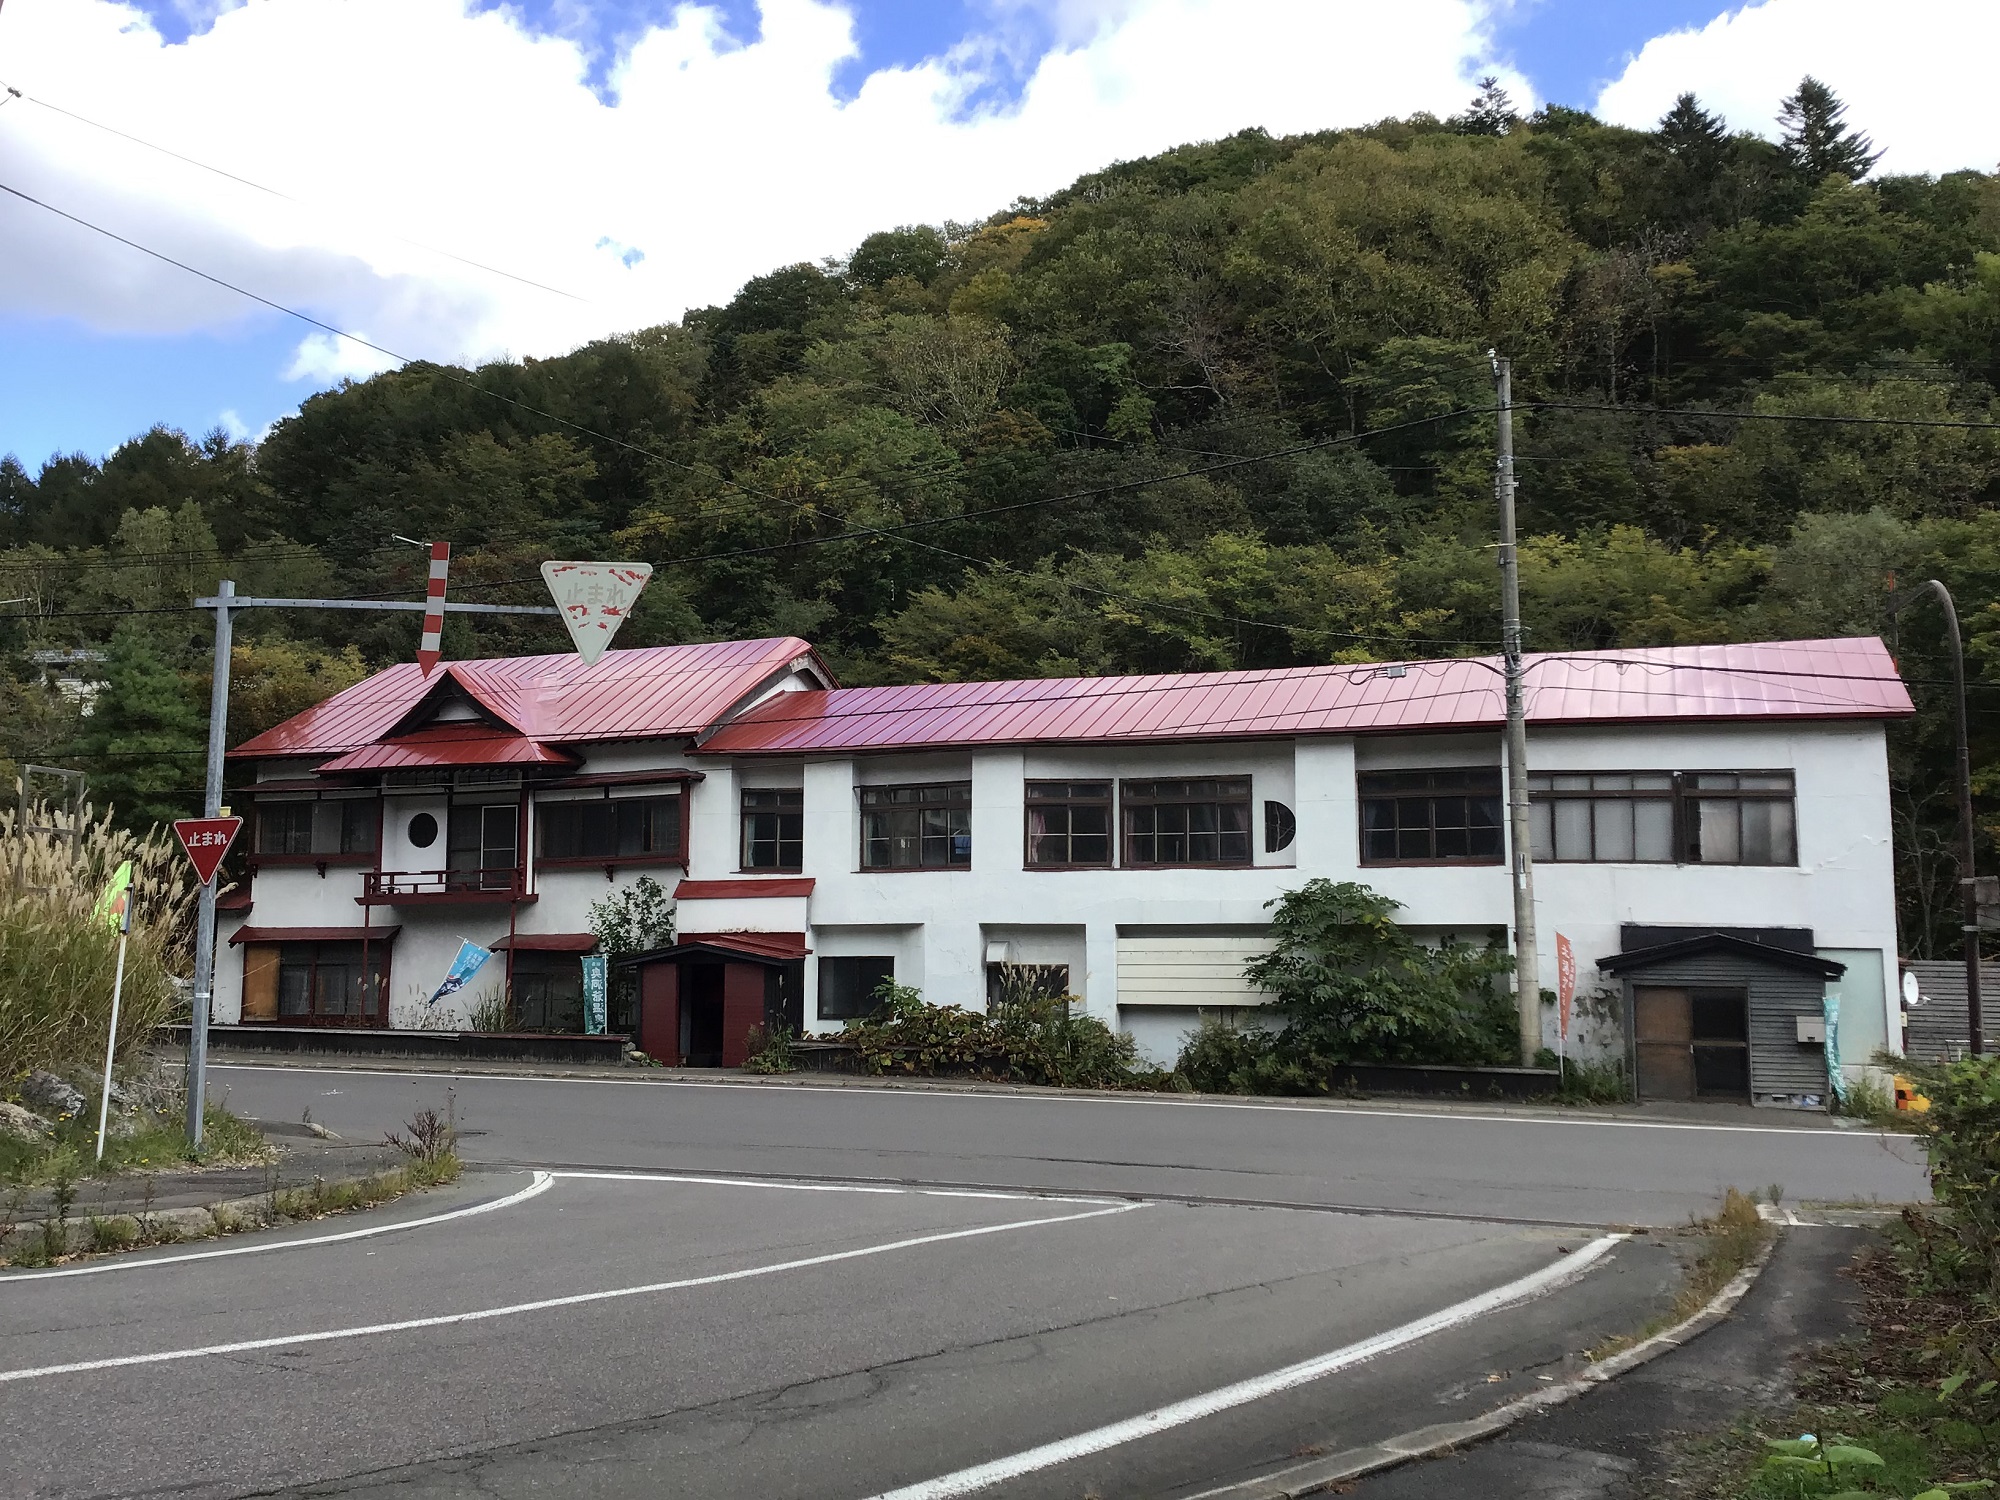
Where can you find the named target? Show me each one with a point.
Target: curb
(1323, 1474)
(169, 1226)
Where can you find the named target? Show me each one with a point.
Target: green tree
(143, 739)
(1816, 139)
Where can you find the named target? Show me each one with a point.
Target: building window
(323, 981)
(319, 828)
(622, 827)
(1622, 817)
(1069, 823)
(917, 827)
(1430, 817)
(847, 985)
(548, 992)
(1280, 827)
(774, 829)
(1187, 822)
(1660, 817)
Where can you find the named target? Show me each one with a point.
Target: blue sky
(82, 374)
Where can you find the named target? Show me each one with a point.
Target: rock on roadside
(22, 1124)
(47, 1094)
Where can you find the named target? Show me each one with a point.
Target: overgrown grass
(58, 956)
(155, 1142)
(1731, 1240)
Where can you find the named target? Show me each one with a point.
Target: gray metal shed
(1715, 1015)
(1940, 1029)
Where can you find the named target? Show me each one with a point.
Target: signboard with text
(595, 598)
(1565, 984)
(206, 840)
(595, 1011)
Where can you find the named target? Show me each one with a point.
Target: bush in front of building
(1354, 987)
(1027, 1038)
(1959, 1241)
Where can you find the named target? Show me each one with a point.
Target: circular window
(423, 830)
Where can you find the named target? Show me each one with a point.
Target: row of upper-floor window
(1442, 816)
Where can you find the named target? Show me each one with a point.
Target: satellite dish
(1912, 996)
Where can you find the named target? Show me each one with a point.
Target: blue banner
(595, 980)
(1836, 1080)
(471, 958)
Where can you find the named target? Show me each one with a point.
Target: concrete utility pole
(224, 603)
(1527, 966)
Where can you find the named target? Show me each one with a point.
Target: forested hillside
(1229, 406)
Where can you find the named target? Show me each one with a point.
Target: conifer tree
(1816, 140)
(1694, 136)
(1490, 113)
(143, 739)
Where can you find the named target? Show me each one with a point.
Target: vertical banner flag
(431, 646)
(471, 958)
(115, 905)
(1565, 984)
(1837, 1080)
(595, 978)
(595, 598)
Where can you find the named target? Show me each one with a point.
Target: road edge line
(1323, 1474)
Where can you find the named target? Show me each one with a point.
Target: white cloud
(718, 160)
(1916, 75)
(324, 359)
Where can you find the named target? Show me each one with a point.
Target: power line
(1754, 416)
(277, 193)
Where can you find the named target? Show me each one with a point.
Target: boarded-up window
(260, 981)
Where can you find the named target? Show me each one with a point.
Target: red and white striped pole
(431, 647)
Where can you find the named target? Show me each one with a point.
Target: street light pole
(1527, 965)
(1968, 887)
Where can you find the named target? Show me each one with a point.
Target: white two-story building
(1711, 823)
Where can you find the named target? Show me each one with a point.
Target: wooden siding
(1778, 1063)
(1189, 969)
(1942, 1029)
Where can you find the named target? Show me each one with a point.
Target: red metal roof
(759, 944)
(457, 744)
(656, 692)
(314, 934)
(724, 890)
(1831, 679)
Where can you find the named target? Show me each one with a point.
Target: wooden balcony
(444, 887)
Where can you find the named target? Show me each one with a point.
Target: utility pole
(204, 927)
(1968, 884)
(224, 603)
(1527, 966)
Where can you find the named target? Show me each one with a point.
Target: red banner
(206, 840)
(1565, 982)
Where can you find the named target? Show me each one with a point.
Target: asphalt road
(719, 1326)
(1550, 1166)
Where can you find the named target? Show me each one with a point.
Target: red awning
(548, 942)
(315, 934)
(727, 890)
(759, 944)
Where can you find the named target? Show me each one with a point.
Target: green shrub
(1587, 1082)
(1027, 1039)
(770, 1050)
(1355, 987)
(1961, 1135)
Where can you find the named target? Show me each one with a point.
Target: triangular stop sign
(206, 840)
(595, 598)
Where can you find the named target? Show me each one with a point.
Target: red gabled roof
(455, 744)
(657, 692)
(1833, 679)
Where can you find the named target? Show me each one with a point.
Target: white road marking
(1178, 1413)
(789, 1185)
(542, 1182)
(1323, 1110)
(577, 1299)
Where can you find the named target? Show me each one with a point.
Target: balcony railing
(420, 887)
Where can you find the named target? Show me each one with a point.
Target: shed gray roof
(1722, 942)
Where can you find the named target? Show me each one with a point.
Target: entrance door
(1692, 1044)
(701, 1014)
(1663, 1035)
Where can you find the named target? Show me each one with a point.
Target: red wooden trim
(621, 778)
(724, 890)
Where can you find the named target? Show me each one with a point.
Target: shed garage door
(1189, 969)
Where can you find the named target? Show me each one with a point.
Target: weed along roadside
(241, 1182)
